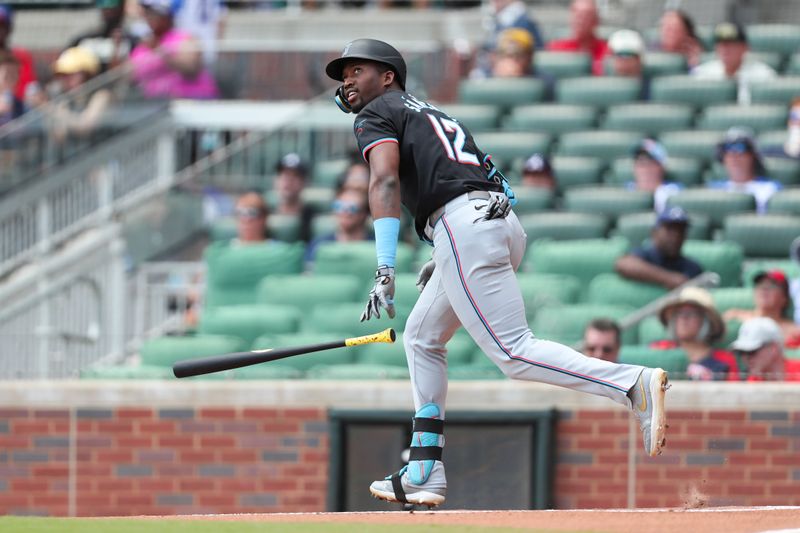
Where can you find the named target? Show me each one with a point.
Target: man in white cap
(760, 346)
(627, 48)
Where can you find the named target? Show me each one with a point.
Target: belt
(457, 202)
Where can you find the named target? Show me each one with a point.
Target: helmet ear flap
(341, 100)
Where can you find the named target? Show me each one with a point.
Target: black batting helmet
(373, 50)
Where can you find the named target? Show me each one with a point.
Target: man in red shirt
(583, 20)
(760, 346)
(27, 74)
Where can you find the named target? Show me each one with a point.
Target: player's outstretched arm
(384, 204)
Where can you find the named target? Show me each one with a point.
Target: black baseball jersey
(438, 157)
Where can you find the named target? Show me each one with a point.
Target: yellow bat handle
(387, 335)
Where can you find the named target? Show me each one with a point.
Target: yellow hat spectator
(515, 41)
(77, 59)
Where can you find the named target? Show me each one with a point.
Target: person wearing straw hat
(695, 325)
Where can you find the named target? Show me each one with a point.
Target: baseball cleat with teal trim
(647, 401)
(398, 488)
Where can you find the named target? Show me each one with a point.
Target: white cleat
(647, 400)
(432, 493)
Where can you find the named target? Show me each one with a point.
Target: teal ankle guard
(427, 441)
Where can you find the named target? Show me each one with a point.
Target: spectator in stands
(662, 262)
(792, 145)
(251, 219)
(514, 14)
(79, 115)
(169, 62)
(649, 173)
(11, 107)
(290, 181)
(355, 177)
(513, 55)
(742, 161)
(205, 20)
(678, 36)
(537, 172)
(626, 48)
(771, 299)
(602, 339)
(694, 326)
(351, 208)
(110, 41)
(730, 44)
(760, 348)
(27, 74)
(583, 22)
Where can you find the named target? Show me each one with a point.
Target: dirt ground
(715, 520)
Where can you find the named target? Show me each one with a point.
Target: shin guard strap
(429, 425)
(425, 453)
(397, 485)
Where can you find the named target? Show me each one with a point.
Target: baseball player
(426, 160)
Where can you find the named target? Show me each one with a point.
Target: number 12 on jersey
(454, 148)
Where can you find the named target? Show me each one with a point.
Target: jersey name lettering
(417, 105)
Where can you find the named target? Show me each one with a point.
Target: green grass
(122, 525)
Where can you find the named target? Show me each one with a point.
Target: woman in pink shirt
(169, 63)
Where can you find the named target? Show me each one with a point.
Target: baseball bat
(229, 361)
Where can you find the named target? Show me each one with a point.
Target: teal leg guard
(426, 443)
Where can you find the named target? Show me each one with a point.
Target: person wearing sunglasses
(759, 346)
(601, 339)
(251, 219)
(744, 168)
(351, 212)
(695, 326)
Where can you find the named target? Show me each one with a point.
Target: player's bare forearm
(384, 181)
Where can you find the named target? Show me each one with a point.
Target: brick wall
(148, 453)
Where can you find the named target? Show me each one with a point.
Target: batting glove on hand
(381, 295)
(499, 207)
(425, 274)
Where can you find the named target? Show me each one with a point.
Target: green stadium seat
(223, 229)
(562, 64)
(605, 145)
(771, 59)
(673, 361)
(759, 117)
(323, 224)
(284, 228)
(648, 119)
(600, 91)
(692, 91)
(267, 371)
(166, 351)
(304, 292)
(664, 64)
(607, 201)
(563, 226)
(732, 298)
(753, 267)
(583, 259)
(636, 227)
(780, 38)
(783, 170)
(319, 198)
(684, 170)
(786, 202)
(504, 92)
(715, 203)
(554, 119)
(772, 139)
(541, 291)
(723, 257)
(779, 91)
(460, 350)
(651, 330)
(344, 318)
(474, 117)
(532, 199)
(691, 143)
(233, 272)
(302, 363)
(475, 372)
(506, 146)
(793, 67)
(571, 171)
(357, 258)
(763, 235)
(613, 289)
(250, 321)
(566, 324)
(357, 371)
(383, 354)
(327, 172)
